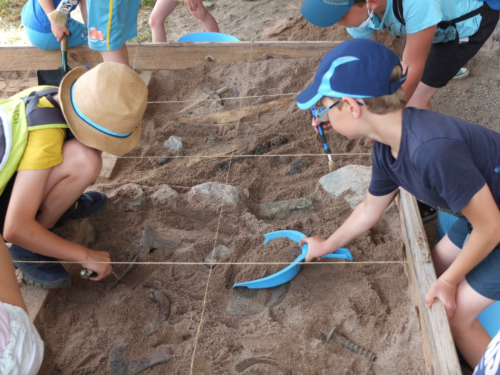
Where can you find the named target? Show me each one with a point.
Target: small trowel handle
(87, 274)
(64, 53)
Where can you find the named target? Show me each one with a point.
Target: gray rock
(212, 138)
(182, 152)
(165, 194)
(284, 159)
(174, 143)
(297, 166)
(134, 197)
(164, 160)
(352, 180)
(216, 193)
(283, 209)
(216, 255)
(151, 239)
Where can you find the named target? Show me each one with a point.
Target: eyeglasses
(318, 111)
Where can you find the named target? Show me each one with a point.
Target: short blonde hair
(382, 105)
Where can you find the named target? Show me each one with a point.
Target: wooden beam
(163, 55)
(439, 349)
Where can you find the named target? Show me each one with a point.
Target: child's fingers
(303, 241)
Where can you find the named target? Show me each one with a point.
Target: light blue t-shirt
(421, 14)
(33, 16)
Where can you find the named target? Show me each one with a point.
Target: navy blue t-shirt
(443, 161)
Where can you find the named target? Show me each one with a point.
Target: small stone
(216, 194)
(283, 209)
(165, 194)
(216, 255)
(352, 179)
(174, 143)
(151, 240)
(133, 197)
(190, 113)
(162, 161)
(211, 139)
(182, 152)
(207, 4)
(297, 166)
(236, 93)
(284, 159)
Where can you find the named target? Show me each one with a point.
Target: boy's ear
(352, 106)
(373, 4)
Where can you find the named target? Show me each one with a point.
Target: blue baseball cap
(325, 13)
(357, 68)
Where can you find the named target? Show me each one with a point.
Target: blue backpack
(397, 7)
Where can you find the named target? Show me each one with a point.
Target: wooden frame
(438, 346)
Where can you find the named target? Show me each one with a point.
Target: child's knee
(85, 161)
(155, 22)
(200, 13)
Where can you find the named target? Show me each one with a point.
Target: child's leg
(119, 56)
(67, 181)
(443, 254)
(9, 292)
(469, 335)
(207, 20)
(160, 12)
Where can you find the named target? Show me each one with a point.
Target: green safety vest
(18, 116)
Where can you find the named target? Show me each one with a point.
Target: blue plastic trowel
(293, 269)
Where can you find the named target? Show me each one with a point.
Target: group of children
(53, 138)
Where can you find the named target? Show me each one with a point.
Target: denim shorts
(24, 352)
(485, 277)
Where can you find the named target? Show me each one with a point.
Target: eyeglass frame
(317, 116)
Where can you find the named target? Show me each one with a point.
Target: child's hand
(444, 291)
(316, 122)
(316, 247)
(59, 31)
(103, 270)
(192, 4)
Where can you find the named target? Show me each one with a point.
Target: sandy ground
(369, 304)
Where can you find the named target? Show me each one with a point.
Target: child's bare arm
(9, 292)
(415, 55)
(364, 216)
(83, 9)
(22, 228)
(482, 211)
(58, 31)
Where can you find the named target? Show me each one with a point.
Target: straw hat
(104, 106)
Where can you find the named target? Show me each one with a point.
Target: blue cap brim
(309, 97)
(323, 15)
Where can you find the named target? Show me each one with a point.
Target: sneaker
(43, 275)
(88, 204)
(462, 73)
(427, 213)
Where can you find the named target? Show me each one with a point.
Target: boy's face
(355, 16)
(342, 120)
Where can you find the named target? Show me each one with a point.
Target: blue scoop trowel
(293, 269)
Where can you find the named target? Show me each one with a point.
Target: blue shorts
(48, 42)
(485, 277)
(111, 23)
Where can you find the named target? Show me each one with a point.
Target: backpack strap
(397, 8)
(445, 24)
(43, 116)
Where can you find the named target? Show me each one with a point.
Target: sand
(248, 332)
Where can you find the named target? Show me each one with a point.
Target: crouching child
(44, 171)
(446, 162)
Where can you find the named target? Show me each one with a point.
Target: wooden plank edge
(439, 349)
(155, 56)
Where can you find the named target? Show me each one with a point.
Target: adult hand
(102, 269)
(326, 125)
(59, 31)
(315, 247)
(192, 4)
(444, 291)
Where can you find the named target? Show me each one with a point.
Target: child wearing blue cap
(441, 35)
(446, 162)
(47, 35)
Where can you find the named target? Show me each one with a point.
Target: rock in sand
(297, 166)
(355, 178)
(151, 239)
(216, 193)
(133, 197)
(283, 209)
(216, 255)
(174, 143)
(165, 194)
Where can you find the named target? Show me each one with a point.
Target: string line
(233, 156)
(217, 263)
(230, 98)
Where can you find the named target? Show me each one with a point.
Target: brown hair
(382, 105)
